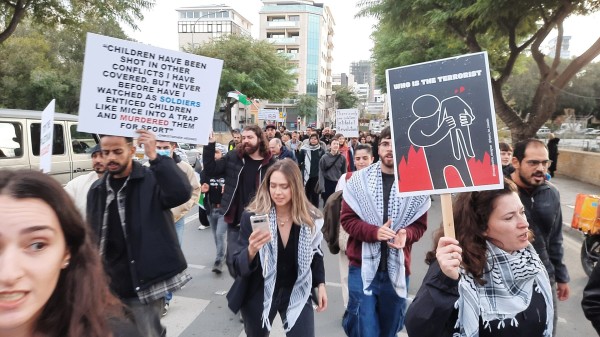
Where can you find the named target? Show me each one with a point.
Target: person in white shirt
(78, 187)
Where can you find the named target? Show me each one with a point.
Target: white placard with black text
(127, 86)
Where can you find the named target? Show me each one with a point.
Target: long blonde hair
(303, 212)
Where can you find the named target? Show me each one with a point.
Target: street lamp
(202, 17)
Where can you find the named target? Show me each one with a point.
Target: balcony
(282, 24)
(291, 56)
(284, 40)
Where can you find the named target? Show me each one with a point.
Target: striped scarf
(364, 194)
(507, 292)
(309, 243)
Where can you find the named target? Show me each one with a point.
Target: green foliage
(397, 48)
(582, 93)
(68, 13)
(415, 31)
(39, 64)
(253, 67)
(345, 98)
(307, 106)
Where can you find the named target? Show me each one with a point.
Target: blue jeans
(179, 227)
(219, 229)
(380, 314)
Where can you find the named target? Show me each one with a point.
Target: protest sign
(346, 122)
(269, 115)
(127, 86)
(46, 137)
(444, 126)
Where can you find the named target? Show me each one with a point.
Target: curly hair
(263, 143)
(471, 213)
(81, 303)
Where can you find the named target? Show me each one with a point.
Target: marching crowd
(104, 258)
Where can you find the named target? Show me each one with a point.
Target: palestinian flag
(239, 96)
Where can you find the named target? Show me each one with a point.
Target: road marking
(182, 312)
(191, 217)
(196, 266)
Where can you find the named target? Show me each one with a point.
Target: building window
(294, 17)
(276, 18)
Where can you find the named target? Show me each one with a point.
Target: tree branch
(558, 47)
(20, 8)
(577, 64)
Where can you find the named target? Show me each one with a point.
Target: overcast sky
(351, 36)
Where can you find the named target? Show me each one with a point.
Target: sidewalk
(569, 188)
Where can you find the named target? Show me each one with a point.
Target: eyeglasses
(536, 163)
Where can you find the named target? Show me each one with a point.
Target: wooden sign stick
(447, 217)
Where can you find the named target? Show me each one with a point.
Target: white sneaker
(201, 227)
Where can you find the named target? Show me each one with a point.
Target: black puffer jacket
(542, 208)
(231, 166)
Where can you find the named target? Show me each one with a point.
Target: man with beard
(237, 138)
(382, 227)
(327, 136)
(244, 169)
(542, 207)
(79, 187)
(272, 132)
(129, 211)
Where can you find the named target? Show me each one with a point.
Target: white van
(20, 144)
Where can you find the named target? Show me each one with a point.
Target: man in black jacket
(244, 169)
(591, 299)
(542, 207)
(129, 210)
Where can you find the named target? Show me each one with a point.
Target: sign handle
(447, 218)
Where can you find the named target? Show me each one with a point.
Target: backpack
(331, 219)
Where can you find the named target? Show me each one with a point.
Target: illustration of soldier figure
(446, 144)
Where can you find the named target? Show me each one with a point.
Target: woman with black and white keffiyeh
(487, 282)
(280, 266)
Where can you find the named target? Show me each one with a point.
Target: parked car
(20, 144)
(192, 152)
(543, 131)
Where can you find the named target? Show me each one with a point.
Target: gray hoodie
(335, 171)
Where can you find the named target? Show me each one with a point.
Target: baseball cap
(95, 149)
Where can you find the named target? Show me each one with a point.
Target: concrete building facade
(200, 24)
(303, 31)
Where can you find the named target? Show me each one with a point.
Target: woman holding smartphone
(281, 262)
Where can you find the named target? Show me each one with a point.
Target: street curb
(572, 232)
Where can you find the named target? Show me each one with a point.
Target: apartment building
(303, 31)
(200, 24)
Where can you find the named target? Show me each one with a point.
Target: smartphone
(260, 222)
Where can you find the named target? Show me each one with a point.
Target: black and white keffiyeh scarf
(309, 244)
(308, 161)
(364, 194)
(511, 280)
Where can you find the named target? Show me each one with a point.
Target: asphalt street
(200, 309)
